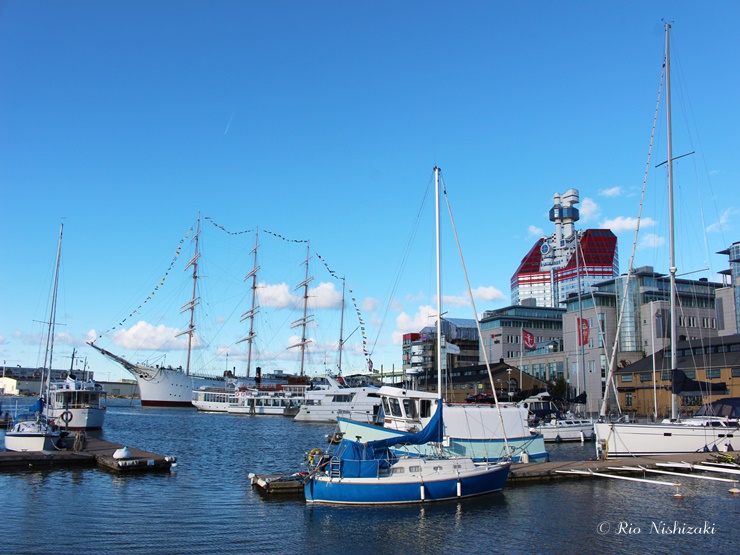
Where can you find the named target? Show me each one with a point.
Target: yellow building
(711, 368)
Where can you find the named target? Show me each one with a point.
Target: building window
(736, 372)
(628, 397)
(646, 377)
(713, 373)
(626, 378)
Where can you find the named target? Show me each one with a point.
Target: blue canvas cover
(38, 406)
(364, 460)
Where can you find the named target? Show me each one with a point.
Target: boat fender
(66, 417)
(122, 453)
(314, 457)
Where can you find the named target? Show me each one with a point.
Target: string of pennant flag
(332, 273)
(160, 283)
(178, 252)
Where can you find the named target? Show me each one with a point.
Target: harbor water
(206, 504)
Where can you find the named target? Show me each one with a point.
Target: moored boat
(77, 404)
(328, 399)
(34, 430)
(372, 472)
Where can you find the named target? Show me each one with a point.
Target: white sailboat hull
(619, 440)
(30, 434)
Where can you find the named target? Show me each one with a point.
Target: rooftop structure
(554, 266)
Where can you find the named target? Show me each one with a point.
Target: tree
(557, 387)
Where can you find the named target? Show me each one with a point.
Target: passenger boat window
(426, 408)
(395, 407)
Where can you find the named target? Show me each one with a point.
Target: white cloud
(485, 294)
(626, 223)
(370, 304)
(325, 296)
(724, 218)
(535, 231)
(589, 210)
(276, 296)
(425, 316)
(612, 192)
(488, 294)
(144, 336)
(651, 240)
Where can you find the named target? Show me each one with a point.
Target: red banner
(528, 340)
(583, 329)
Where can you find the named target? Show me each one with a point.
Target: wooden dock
(522, 474)
(92, 453)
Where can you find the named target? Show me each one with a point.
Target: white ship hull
(169, 387)
(86, 418)
(619, 440)
(354, 403)
(565, 430)
(76, 404)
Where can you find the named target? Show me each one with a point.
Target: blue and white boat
(371, 472)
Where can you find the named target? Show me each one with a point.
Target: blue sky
(322, 121)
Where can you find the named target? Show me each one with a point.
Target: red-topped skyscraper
(550, 270)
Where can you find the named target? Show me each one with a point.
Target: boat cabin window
(409, 407)
(425, 410)
(392, 406)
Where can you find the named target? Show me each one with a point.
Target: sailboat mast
(439, 285)
(579, 332)
(49, 354)
(341, 327)
(303, 322)
(193, 302)
(251, 312)
(672, 243)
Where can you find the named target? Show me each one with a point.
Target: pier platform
(522, 474)
(92, 453)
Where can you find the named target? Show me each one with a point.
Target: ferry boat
(329, 398)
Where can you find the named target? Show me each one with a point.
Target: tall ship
(168, 386)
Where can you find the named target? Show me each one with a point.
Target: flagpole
(521, 355)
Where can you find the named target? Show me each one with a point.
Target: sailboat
(483, 432)
(672, 436)
(34, 430)
(166, 386)
(372, 472)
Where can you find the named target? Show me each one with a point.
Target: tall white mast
(194, 301)
(250, 314)
(672, 246)
(49, 353)
(439, 286)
